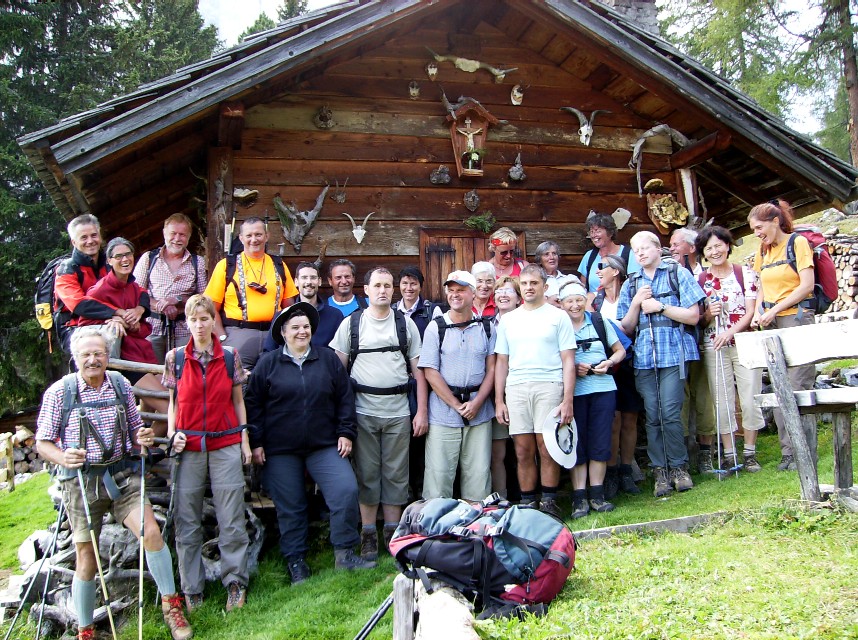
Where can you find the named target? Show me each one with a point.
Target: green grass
(846, 363)
(21, 512)
(768, 569)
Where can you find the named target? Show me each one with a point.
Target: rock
(850, 376)
(831, 216)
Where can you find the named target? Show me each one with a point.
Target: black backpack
(402, 334)
(625, 254)
(232, 261)
(228, 359)
(486, 321)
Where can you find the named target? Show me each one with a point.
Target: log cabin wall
(386, 144)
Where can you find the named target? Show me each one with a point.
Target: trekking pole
(719, 368)
(731, 414)
(142, 529)
(51, 548)
(657, 388)
(168, 520)
(95, 550)
(375, 618)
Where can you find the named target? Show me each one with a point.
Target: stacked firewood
(24, 458)
(844, 251)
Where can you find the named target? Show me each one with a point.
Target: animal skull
(413, 90)
(585, 133)
(359, 230)
(432, 70)
(516, 95)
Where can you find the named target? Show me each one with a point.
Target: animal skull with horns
(359, 230)
(586, 130)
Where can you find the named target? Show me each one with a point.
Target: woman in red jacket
(207, 423)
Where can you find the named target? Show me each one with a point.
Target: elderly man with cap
(458, 361)
(301, 410)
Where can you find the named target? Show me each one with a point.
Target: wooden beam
(701, 151)
(218, 204)
(230, 125)
(807, 344)
(728, 183)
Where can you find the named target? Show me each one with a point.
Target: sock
(579, 495)
(391, 525)
(625, 469)
(368, 527)
(705, 447)
(160, 565)
(528, 496)
(597, 492)
(750, 450)
(549, 493)
(83, 597)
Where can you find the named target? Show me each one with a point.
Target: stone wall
(644, 13)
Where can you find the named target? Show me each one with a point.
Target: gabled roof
(193, 93)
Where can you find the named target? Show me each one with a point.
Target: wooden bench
(778, 349)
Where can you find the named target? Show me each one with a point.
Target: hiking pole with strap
(657, 389)
(50, 551)
(142, 529)
(174, 472)
(94, 542)
(375, 618)
(731, 413)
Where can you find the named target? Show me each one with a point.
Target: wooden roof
(127, 161)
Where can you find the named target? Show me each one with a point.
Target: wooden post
(6, 448)
(810, 426)
(792, 420)
(218, 204)
(842, 450)
(403, 608)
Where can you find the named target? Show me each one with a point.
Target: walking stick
(375, 619)
(168, 520)
(142, 527)
(51, 548)
(95, 550)
(657, 389)
(731, 414)
(50, 570)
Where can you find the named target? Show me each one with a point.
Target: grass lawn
(768, 569)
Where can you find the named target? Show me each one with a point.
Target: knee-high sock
(83, 597)
(160, 565)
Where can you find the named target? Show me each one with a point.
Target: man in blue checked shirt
(656, 305)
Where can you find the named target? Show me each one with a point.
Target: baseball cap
(463, 278)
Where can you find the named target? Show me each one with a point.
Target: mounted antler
(359, 230)
(585, 132)
(296, 223)
(470, 66)
(635, 163)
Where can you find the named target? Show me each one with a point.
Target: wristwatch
(663, 307)
(222, 337)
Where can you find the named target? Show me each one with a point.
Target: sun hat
(561, 440)
(297, 309)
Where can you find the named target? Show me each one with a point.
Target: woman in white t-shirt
(731, 292)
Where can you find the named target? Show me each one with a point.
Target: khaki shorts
(529, 404)
(99, 503)
(499, 431)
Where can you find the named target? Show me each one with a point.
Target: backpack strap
(354, 339)
(361, 302)
(593, 255)
(599, 326)
(626, 255)
(279, 266)
(153, 258)
(443, 326)
(228, 360)
(599, 299)
(231, 262)
(354, 350)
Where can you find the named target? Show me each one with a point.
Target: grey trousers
(223, 466)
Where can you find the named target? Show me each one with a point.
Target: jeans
(283, 477)
(664, 432)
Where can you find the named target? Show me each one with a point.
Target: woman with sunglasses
(502, 246)
(594, 401)
(507, 295)
(611, 271)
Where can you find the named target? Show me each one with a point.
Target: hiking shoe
(627, 485)
(612, 482)
(174, 617)
(751, 464)
(680, 478)
(236, 595)
(86, 633)
(369, 544)
(580, 508)
(600, 505)
(193, 601)
(704, 462)
(348, 560)
(387, 532)
(730, 463)
(298, 571)
(662, 484)
(787, 464)
(530, 504)
(549, 506)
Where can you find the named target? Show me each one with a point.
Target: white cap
(463, 278)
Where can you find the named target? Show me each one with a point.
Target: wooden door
(445, 250)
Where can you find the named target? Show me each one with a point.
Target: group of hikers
(383, 402)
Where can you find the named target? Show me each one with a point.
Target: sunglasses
(605, 265)
(508, 252)
(259, 288)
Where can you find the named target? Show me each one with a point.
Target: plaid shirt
(163, 283)
(103, 419)
(671, 343)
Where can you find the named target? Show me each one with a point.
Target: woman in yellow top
(785, 291)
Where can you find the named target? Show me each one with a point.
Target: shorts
(628, 398)
(499, 431)
(99, 502)
(530, 403)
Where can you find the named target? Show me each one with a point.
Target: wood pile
(24, 458)
(844, 251)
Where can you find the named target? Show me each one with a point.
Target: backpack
(625, 254)
(673, 290)
(47, 305)
(493, 552)
(602, 336)
(155, 253)
(443, 326)
(824, 272)
(228, 360)
(737, 273)
(231, 262)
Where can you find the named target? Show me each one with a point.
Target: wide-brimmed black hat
(297, 309)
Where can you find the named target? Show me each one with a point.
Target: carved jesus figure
(469, 133)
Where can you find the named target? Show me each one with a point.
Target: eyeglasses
(504, 292)
(259, 288)
(508, 252)
(92, 354)
(605, 265)
(121, 256)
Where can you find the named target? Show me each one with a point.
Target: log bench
(778, 349)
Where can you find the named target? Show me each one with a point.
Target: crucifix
(469, 133)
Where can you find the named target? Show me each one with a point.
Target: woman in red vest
(207, 423)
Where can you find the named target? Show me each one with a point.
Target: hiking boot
(529, 504)
(600, 505)
(662, 485)
(751, 464)
(680, 478)
(627, 485)
(86, 633)
(348, 560)
(787, 464)
(298, 571)
(193, 601)
(704, 461)
(174, 617)
(387, 532)
(369, 544)
(236, 596)
(580, 508)
(730, 463)
(549, 506)
(612, 482)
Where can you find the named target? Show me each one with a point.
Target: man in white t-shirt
(380, 373)
(534, 378)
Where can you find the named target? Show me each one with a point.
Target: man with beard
(171, 275)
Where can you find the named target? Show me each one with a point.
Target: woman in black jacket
(301, 412)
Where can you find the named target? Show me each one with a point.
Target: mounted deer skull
(585, 133)
(359, 230)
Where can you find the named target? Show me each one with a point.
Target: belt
(246, 324)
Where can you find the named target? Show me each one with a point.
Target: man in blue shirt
(655, 306)
(341, 277)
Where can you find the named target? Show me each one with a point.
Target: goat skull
(359, 230)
